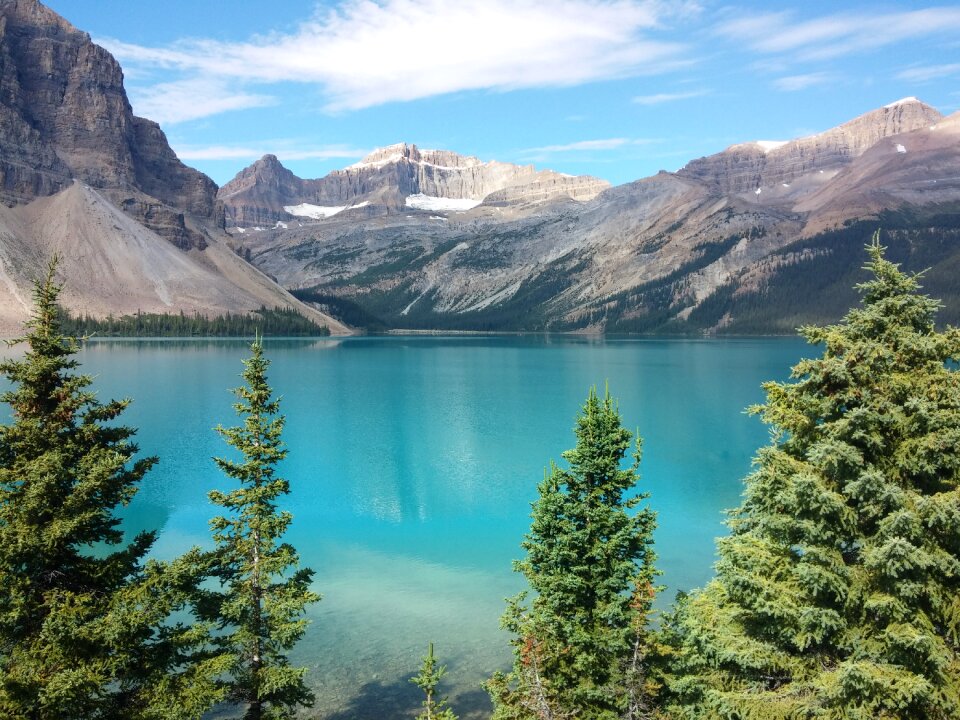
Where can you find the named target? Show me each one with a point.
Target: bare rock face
(386, 177)
(908, 170)
(545, 187)
(64, 116)
(748, 166)
(160, 218)
(257, 194)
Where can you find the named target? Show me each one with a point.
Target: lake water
(413, 462)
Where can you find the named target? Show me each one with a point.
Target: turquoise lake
(413, 462)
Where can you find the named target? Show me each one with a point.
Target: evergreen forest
(285, 322)
(836, 595)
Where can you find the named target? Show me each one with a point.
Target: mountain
(87, 178)
(65, 116)
(758, 238)
(753, 165)
(133, 266)
(393, 179)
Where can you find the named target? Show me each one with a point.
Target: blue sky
(614, 88)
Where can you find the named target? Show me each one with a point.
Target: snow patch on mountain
(438, 204)
(314, 212)
(902, 101)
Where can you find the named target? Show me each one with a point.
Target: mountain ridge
(264, 192)
(643, 256)
(744, 167)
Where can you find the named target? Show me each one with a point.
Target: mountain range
(758, 238)
(755, 239)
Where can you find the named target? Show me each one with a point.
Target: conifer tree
(837, 593)
(263, 597)
(581, 647)
(84, 624)
(429, 677)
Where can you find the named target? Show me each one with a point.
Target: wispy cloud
(363, 53)
(582, 147)
(284, 150)
(660, 98)
(793, 83)
(839, 34)
(929, 72)
(183, 100)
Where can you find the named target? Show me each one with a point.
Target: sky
(619, 89)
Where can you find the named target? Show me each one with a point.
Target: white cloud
(284, 150)
(793, 83)
(660, 98)
(606, 144)
(369, 52)
(840, 34)
(929, 72)
(581, 145)
(182, 100)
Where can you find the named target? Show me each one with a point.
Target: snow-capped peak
(902, 101)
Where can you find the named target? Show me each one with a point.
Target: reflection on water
(413, 462)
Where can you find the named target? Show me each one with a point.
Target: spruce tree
(581, 646)
(837, 593)
(429, 677)
(84, 623)
(263, 597)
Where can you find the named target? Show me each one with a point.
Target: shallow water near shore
(413, 462)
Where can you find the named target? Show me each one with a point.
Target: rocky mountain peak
(901, 116)
(389, 154)
(269, 161)
(747, 167)
(404, 152)
(34, 13)
(267, 170)
(265, 183)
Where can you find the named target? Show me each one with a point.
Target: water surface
(413, 462)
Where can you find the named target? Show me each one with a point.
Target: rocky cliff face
(85, 178)
(545, 187)
(64, 116)
(386, 177)
(748, 166)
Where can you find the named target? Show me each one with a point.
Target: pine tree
(429, 677)
(581, 648)
(837, 594)
(84, 623)
(261, 605)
